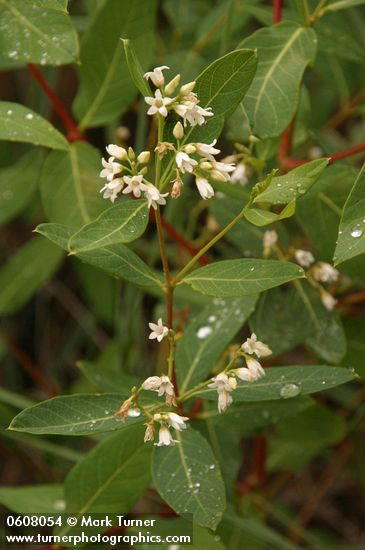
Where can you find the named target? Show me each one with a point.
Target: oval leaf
(187, 476)
(242, 277)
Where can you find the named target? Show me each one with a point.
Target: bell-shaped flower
(156, 76)
(254, 346)
(205, 189)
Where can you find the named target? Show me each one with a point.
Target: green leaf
(207, 336)
(299, 439)
(294, 184)
(242, 277)
(112, 477)
(18, 184)
(260, 217)
(188, 478)
(320, 210)
(351, 234)
(19, 123)
(26, 272)
(70, 185)
(37, 32)
(328, 338)
(57, 233)
(106, 89)
(84, 414)
(284, 51)
(355, 330)
(107, 379)
(286, 382)
(222, 86)
(122, 223)
(135, 69)
(119, 261)
(343, 4)
(249, 417)
(33, 499)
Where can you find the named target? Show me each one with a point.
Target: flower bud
(131, 153)
(172, 85)
(144, 157)
(176, 189)
(117, 152)
(218, 176)
(190, 148)
(178, 131)
(187, 88)
(205, 165)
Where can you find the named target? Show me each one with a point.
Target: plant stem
(205, 248)
(277, 6)
(166, 269)
(171, 357)
(303, 10)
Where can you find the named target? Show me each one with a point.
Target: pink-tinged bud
(176, 189)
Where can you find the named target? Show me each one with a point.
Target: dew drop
(289, 390)
(204, 332)
(59, 504)
(212, 318)
(9, 112)
(29, 116)
(356, 233)
(134, 413)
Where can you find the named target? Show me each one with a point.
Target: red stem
(74, 133)
(276, 11)
(286, 163)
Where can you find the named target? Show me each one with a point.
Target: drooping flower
(118, 152)
(324, 272)
(135, 185)
(205, 189)
(254, 346)
(159, 331)
(176, 421)
(224, 168)
(224, 385)
(154, 197)
(156, 76)
(177, 185)
(152, 383)
(207, 149)
(166, 387)
(252, 372)
(124, 409)
(239, 175)
(184, 162)
(158, 104)
(110, 169)
(304, 257)
(112, 188)
(165, 438)
(149, 434)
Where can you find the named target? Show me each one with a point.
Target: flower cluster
(124, 171)
(166, 420)
(122, 161)
(225, 382)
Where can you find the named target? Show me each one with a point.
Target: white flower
(255, 368)
(224, 401)
(207, 150)
(191, 112)
(158, 104)
(159, 331)
(166, 386)
(111, 168)
(245, 374)
(270, 239)
(112, 188)
(205, 189)
(152, 383)
(118, 152)
(239, 175)
(221, 383)
(165, 437)
(253, 345)
(304, 257)
(156, 76)
(328, 300)
(325, 273)
(154, 197)
(184, 162)
(177, 421)
(134, 185)
(224, 168)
